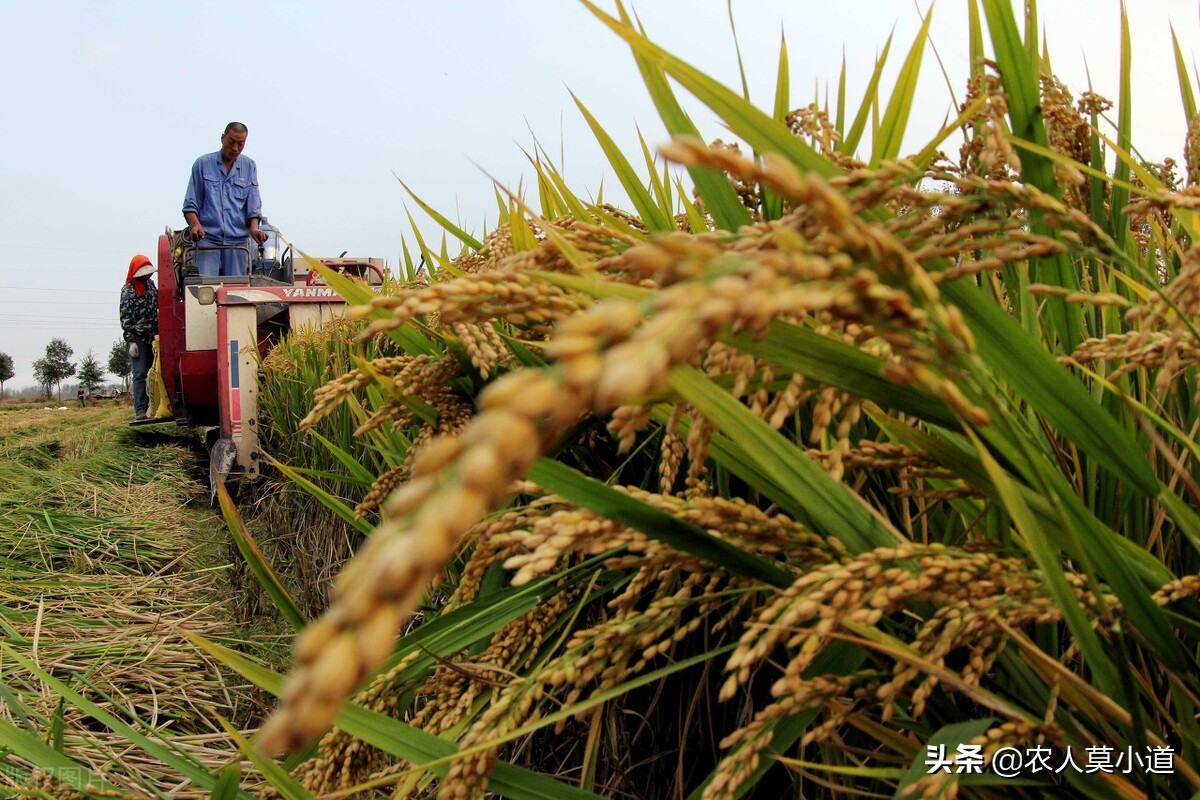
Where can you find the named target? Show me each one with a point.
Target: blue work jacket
(224, 203)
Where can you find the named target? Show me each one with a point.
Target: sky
(106, 105)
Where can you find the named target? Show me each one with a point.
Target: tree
(90, 373)
(41, 374)
(55, 366)
(118, 362)
(6, 370)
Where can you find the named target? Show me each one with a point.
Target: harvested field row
(109, 552)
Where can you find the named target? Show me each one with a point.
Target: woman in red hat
(139, 322)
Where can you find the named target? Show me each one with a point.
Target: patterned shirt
(224, 203)
(139, 315)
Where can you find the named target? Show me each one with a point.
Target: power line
(57, 318)
(58, 249)
(60, 326)
(60, 302)
(52, 289)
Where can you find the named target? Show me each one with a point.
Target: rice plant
(863, 459)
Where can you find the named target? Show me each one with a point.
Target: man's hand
(258, 235)
(196, 232)
(133, 350)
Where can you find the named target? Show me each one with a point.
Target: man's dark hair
(236, 127)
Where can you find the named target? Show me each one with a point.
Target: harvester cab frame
(269, 262)
(214, 332)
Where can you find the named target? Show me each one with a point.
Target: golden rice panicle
(671, 455)
(988, 154)
(1181, 589)
(594, 660)
(426, 378)
(508, 294)
(1161, 339)
(383, 486)
(612, 354)
(813, 122)
(483, 344)
(328, 397)
(869, 586)
(1191, 150)
(455, 481)
(625, 423)
(496, 540)
(746, 188)
(747, 744)
(454, 690)
(1069, 132)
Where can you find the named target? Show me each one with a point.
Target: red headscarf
(136, 263)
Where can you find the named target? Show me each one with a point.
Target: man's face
(232, 144)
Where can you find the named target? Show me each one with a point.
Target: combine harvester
(214, 332)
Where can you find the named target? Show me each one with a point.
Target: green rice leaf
(895, 119)
(975, 39)
(1023, 91)
(331, 476)
(696, 220)
(404, 741)
(642, 200)
(1031, 36)
(1037, 543)
(737, 49)
(447, 225)
(1185, 83)
(427, 255)
(33, 750)
(1120, 197)
(334, 504)
(719, 195)
(228, 782)
(947, 738)
(660, 185)
(573, 205)
(257, 561)
(1050, 389)
(772, 202)
(410, 270)
(840, 116)
(834, 509)
(850, 141)
(620, 507)
(287, 786)
(357, 471)
(761, 132)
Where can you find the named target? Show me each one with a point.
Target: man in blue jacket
(222, 205)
